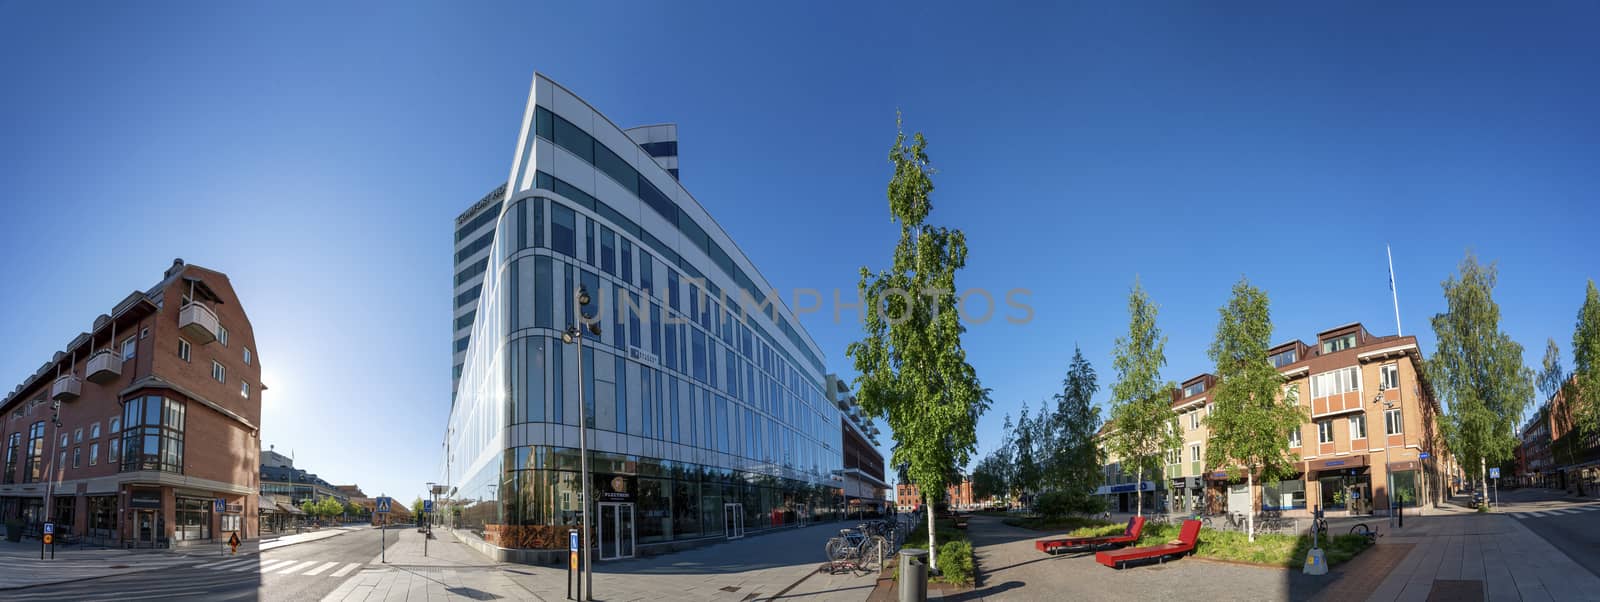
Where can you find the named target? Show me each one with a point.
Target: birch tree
(1145, 427)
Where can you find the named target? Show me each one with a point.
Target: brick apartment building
(129, 434)
(1372, 415)
(958, 495)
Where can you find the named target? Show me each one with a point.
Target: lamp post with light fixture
(573, 335)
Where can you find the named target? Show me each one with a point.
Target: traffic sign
(49, 529)
(1423, 456)
(49, 539)
(1494, 473)
(218, 505)
(383, 505)
(427, 506)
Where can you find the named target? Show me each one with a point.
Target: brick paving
(1359, 578)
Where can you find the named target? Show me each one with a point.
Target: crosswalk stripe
(1519, 515)
(217, 566)
(264, 566)
(322, 568)
(296, 568)
(346, 570)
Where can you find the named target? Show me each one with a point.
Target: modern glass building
(704, 396)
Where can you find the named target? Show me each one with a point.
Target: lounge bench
(1127, 536)
(1187, 538)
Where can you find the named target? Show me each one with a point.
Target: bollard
(913, 576)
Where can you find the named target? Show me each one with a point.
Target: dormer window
(1338, 344)
(1284, 358)
(1194, 389)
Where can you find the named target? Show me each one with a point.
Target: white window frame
(244, 388)
(246, 356)
(77, 435)
(115, 424)
(94, 430)
(1360, 419)
(1388, 377)
(1174, 456)
(219, 372)
(1324, 431)
(1194, 452)
(1397, 422)
(222, 335)
(130, 348)
(1194, 419)
(94, 453)
(1294, 437)
(185, 350)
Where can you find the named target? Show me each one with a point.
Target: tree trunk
(933, 546)
(1483, 477)
(1138, 492)
(1250, 515)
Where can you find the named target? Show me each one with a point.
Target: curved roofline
(789, 313)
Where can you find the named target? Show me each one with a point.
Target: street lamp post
(573, 335)
(1388, 476)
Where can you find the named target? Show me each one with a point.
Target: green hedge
(1068, 523)
(955, 562)
(1268, 548)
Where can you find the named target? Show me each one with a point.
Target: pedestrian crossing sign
(383, 505)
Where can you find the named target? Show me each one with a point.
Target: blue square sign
(383, 505)
(1494, 473)
(219, 505)
(572, 541)
(427, 506)
(50, 529)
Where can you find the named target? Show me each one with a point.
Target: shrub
(1053, 504)
(955, 563)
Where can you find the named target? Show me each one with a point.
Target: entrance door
(733, 520)
(145, 527)
(615, 530)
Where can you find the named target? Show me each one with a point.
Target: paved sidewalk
(1461, 554)
(23, 568)
(449, 571)
(781, 565)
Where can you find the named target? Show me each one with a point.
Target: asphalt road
(299, 572)
(1572, 525)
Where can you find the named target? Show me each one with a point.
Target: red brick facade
(135, 499)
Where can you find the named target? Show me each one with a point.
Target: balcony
(1196, 468)
(104, 366)
(66, 388)
(198, 323)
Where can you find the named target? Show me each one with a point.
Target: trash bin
(913, 575)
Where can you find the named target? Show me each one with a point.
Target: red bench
(1187, 538)
(1128, 535)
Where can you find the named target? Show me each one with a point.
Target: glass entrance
(733, 520)
(145, 527)
(615, 530)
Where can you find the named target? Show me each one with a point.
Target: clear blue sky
(319, 153)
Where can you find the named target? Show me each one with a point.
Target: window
(1339, 344)
(246, 356)
(1194, 389)
(608, 251)
(1358, 426)
(222, 335)
(1294, 437)
(111, 451)
(563, 230)
(217, 371)
(1389, 377)
(12, 448)
(116, 425)
(1392, 423)
(94, 454)
(77, 456)
(1284, 358)
(65, 441)
(129, 346)
(1343, 380)
(1324, 431)
(244, 389)
(77, 435)
(183, 350)
(154, 437)
(1172, 457)
(1194, 453)
(1194, 419)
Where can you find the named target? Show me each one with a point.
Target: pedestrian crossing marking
(296, 568)
(320, 569)
(223, 564)
(346, 570)
(264, 566)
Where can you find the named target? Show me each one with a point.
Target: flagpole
(1392, 291)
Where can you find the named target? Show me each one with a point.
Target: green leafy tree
(1478, 371)
(1027, 458)
(912, 369)
(1074, 462)
(310, 508)
(353, 509)
(1586, 362)
(416, 507)
(989, 477)
(1252, 414)
(1145, 427)
(329, 507)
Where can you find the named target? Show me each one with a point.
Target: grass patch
(955, 551)
(1269, 548)
(1070, 523)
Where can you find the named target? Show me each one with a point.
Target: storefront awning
(290, 509)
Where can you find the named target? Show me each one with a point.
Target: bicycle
(856, 549)
(1363, 530)
(1321, 527)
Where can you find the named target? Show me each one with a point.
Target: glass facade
(696, 411)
